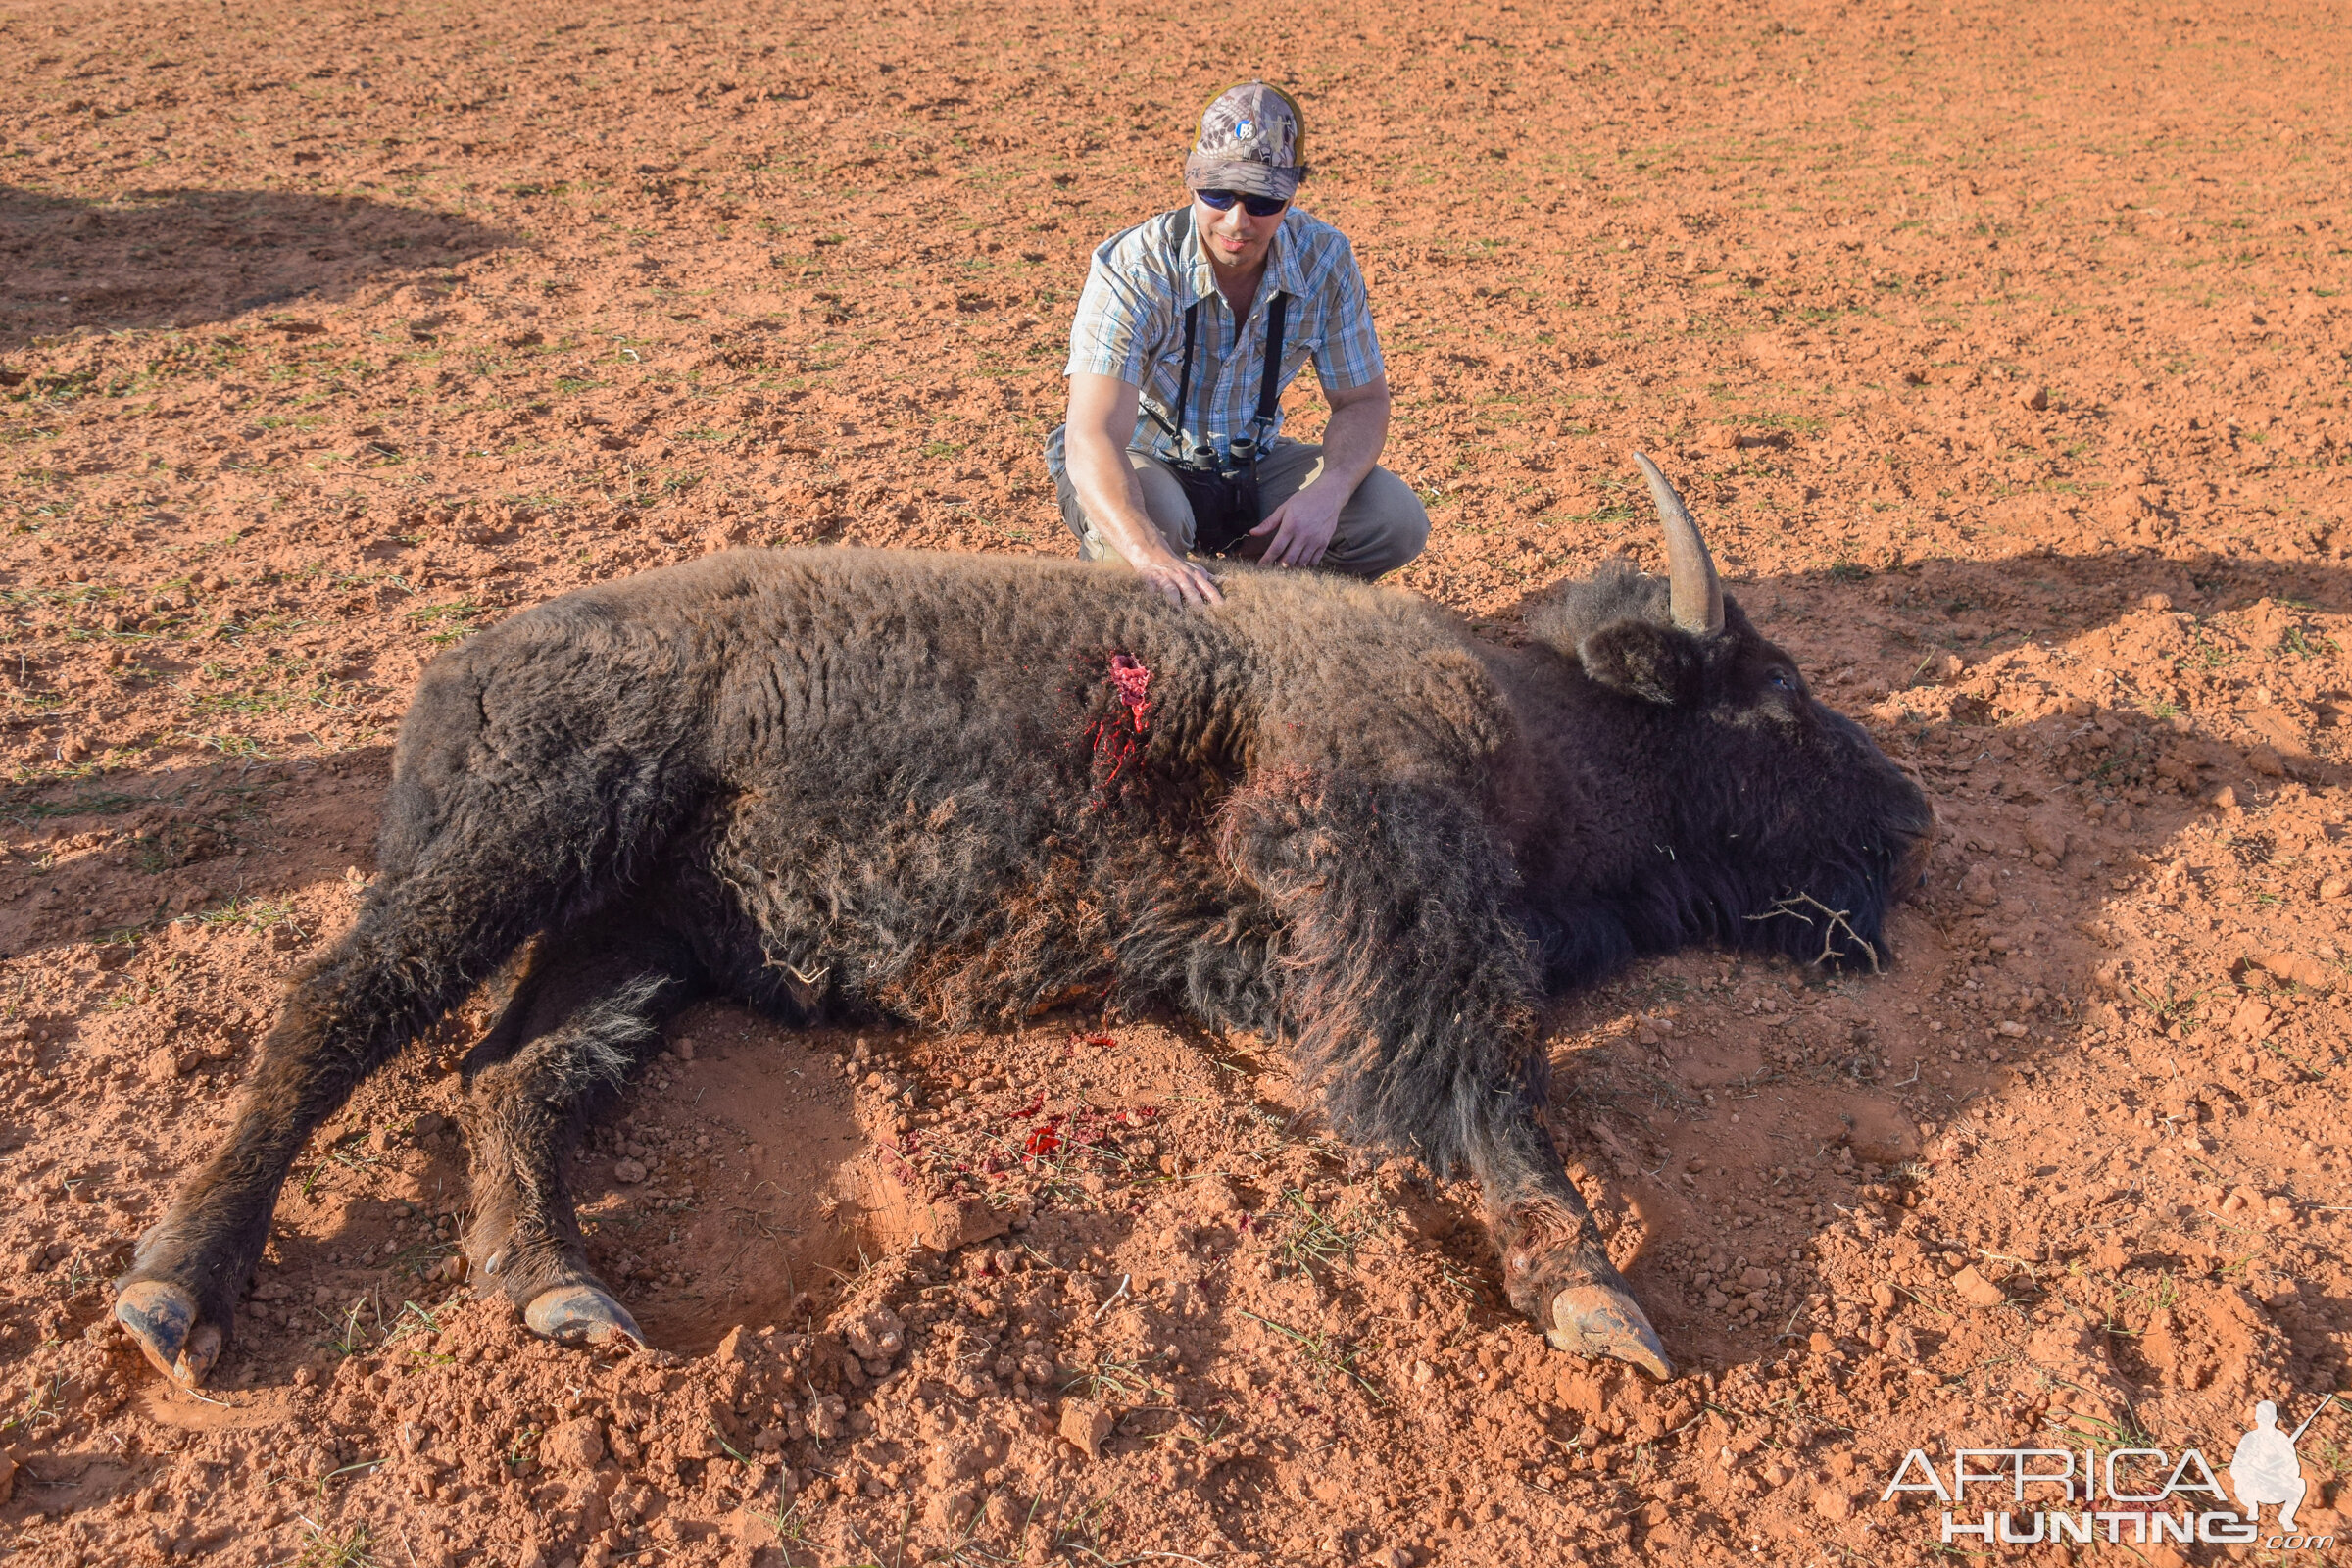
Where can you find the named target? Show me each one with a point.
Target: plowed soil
(2001, 350)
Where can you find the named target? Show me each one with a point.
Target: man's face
(1231, 237)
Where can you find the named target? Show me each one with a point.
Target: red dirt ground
(2003, 351)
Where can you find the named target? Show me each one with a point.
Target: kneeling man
(1191, 325)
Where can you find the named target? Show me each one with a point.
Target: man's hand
(1180, 581)
(1102, 412)
(1303, 525)
(1302, 528)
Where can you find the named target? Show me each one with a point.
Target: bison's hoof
(580, 1314)
(1595, 1320)
(162, 1319)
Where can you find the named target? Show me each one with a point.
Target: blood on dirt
(1045, 1140)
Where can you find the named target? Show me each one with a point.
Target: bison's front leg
(1412, 999)
(589, 1010)
(1554, 1266)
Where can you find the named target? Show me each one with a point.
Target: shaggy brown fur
(845, 782)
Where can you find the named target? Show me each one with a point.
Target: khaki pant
(1382, 527)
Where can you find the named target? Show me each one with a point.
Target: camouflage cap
(1252, 139)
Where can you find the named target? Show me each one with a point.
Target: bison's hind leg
(586, 1013)
(422, 941)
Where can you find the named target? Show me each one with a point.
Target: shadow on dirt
(1981, 607)
(175, 259)
(121, 855)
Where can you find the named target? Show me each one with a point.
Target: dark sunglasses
(1254, 206)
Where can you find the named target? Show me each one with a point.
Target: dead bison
(955, 788)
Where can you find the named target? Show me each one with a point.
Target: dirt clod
(1976, 1290)
(576, 1445)
(1085, 1424)
(2302, 969)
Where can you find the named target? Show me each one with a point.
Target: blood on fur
(1120, 734)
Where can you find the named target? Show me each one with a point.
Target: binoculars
(1222, 487)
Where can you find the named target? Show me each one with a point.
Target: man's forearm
(1351, 441)
(1112, 496)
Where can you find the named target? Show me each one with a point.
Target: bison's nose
(1923, 833)
(1914, 873)
(1913, 877)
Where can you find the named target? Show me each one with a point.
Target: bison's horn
(1697, 593)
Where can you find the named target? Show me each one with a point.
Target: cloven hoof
(161, 1319)
(580, 1314)
(1595, 1320)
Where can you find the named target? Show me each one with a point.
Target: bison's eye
(1781, 680)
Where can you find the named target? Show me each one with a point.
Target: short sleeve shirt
(1130, 324)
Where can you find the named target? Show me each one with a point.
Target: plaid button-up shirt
(1130, 324)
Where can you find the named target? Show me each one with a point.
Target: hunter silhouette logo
(2264, 1469)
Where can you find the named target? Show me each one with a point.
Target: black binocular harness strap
(1269, 385)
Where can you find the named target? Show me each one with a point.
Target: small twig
(1112, 1299)
(1828, 938)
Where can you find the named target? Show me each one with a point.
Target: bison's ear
(1642, 659)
